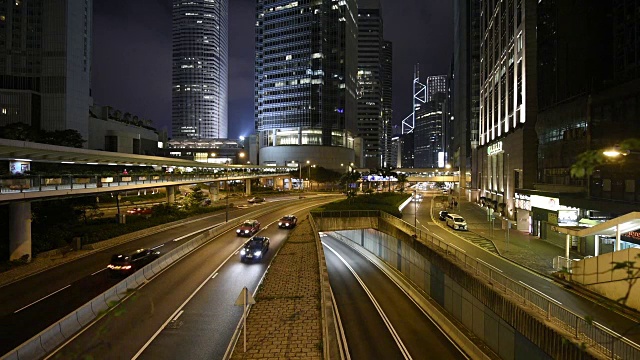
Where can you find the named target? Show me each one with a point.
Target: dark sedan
(248, 228)
(256, 200)
(288, 222)
(127, 264)
(254, 249)
(443, 215)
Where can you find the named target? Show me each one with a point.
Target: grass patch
(387, 202)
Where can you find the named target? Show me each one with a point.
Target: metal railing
(38, 183)
(599, 338)
(561, 263)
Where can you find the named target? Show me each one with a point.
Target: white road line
(386, 320)
(540, 292)
(157, 247)
(457, 247)
(177, 316)
(214, 275)
(37, 301)
(489, 265)
(339, 328)
(195, 232)
(172, 316)
(103, 269)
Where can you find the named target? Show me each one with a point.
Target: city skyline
(137, 78)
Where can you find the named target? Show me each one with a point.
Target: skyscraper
(45, 63)
(306, 70)
(387, 105)
(200, 69)
(436, 84)
(370, 76)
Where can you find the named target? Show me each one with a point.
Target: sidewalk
(522, 248)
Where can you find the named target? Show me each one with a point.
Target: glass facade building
(200, 69)
(305, 74)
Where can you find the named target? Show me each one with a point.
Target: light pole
(415, 210)
(226, 217)
(300, 176)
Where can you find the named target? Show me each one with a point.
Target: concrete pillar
(596, 245)
(617, 246)
(171, 194)
(567, 246)
(20, 230)
(214, 191)
(247, 184)
(290, 184)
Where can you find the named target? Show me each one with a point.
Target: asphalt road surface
(187, 311)
(379, 320)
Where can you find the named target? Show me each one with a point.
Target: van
(456, 222)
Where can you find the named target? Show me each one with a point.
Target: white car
(456, 222)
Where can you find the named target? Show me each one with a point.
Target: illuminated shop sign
(523, 202)
(631, 236)
(494, 148)
(544, 202)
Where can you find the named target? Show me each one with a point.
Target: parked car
(127, 264)
(248, 228)
(442, 215)
(288, 222)
(255, 200)
(255, 248)
(456, 222)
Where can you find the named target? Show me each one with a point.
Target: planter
(142, 178)
(107, 179)
(16, 184)
(125, 178)
(81, 180)
(155, 177)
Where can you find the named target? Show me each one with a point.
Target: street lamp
(448, 166)
(415, 210)
(615, 152)
(226, 217)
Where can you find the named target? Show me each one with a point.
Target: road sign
(245, 299)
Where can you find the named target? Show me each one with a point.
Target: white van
(456, 222)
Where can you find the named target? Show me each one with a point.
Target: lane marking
(157, 247)
(489, 265)
(540, 292)
(214, 275)
(387, 322)
(457, 247)
(339, 328)
(37, 301)
(103, 269)
(195, 232)
(177, 316)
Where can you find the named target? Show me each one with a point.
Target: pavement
(285, 322)
(522, 248)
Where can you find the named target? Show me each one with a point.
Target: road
(601, 313)
(46, 297)
(379, 320)
(186, 311)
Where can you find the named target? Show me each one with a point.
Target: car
(456, 222)
(442, 215)
(140, 211)
(255, 200)
(248, 228)
(127, 264)
(254, 249)
(445, 191)
(288, 222)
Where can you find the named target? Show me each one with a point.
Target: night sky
(132, 55)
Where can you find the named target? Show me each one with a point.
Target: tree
(402, 178)
(195, 197)
(350, 178)
(588, 161)
(18, 131)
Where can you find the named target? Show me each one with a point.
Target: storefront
(523, 212)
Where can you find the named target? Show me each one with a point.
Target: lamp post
(226, 217)
(300, 176)
(415, 210)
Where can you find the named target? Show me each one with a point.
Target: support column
(596, 245)
(567, 246)
(20, 230)
(290, 185)
(247, 184)
(617, 246)
(171, 194)
(214, 191)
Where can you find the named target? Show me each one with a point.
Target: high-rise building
(507, 157)
(388, 158)
(436, 84)
(45, 63)
(306, 73)
(370, 107)
(466, 86)
(200, 69)
(428, 140)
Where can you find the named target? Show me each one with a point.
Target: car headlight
(257, 253)
(280, 223)
(242, 252)
(246, 231)
(238, 231)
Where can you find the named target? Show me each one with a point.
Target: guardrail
(599, 338)
(561, 263)
(49, 339)
(38, 183)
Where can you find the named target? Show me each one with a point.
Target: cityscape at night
(319, 179)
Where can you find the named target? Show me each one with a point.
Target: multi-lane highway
(32, 304)
(186, 311)
(379, 320)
